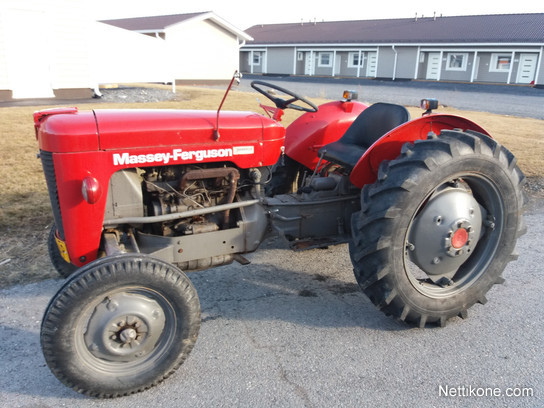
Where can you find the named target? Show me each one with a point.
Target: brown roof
(153, 23)
(502, 28)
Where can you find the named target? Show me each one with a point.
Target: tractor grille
(51, 180)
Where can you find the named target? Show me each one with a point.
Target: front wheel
(120, 325)
(64, 268)
(438, 227)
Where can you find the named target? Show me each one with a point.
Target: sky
(246, 13)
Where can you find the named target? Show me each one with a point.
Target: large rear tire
(120, 325)
(438, 227)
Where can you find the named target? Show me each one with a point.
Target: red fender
(388, 147)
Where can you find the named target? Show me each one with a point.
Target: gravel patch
(136, 95)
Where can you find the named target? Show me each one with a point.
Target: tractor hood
(152, 128)
(67, 130)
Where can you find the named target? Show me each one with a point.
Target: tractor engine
(144, 194)
(150, 209)
(175, 189)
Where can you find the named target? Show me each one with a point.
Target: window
(355, 60)
(456, 61)
(325, 59)
(256, 58)
(500, 62)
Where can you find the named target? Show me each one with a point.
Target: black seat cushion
(374, 122)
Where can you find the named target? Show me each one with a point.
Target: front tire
(64, 268)
(120, 325)
(438, 227)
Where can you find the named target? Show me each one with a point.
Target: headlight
(429, 104)
(349, 95)
(91, 190)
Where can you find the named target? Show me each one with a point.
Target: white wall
(47, 45)
(43, 46)
(121, 56)
(4, 78)
(68, 46)
(202, 50)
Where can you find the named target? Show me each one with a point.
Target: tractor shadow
(311, 288)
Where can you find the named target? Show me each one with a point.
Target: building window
(456, 61)
(300, 56)
(256, 59)
(500, 62)
(355, 60)
(325, 59)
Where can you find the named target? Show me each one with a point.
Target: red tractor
(431, 208)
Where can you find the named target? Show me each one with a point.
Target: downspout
(359, 65)
(240, 45)
(395, 62)
(96, 91)
(511, 67)
(538, 65)
(417, 62)
(440, 67)
(473, 73)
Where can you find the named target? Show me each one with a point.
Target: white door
(527, 68)
(372, 65)
(308, 63)
(29, 70)
(433, 66)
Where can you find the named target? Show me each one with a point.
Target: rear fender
(388, 147)
(313, 130)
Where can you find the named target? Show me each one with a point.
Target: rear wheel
(120, 325)
(438, 227)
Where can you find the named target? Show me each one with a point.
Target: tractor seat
(371, 124)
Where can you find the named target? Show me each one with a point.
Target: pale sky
(246, 13)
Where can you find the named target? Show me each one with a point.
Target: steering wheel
(282, 103)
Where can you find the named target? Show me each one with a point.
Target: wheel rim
(453, 235)
(125, 331)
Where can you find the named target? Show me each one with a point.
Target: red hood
(150, 128)
(72, 131)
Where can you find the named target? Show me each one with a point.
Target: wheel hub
(459, 238)
(124, 326)
(445, 232)
(128, 335)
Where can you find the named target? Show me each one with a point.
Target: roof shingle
(152, 23)
(515, 28)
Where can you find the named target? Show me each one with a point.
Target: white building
(43, 49)
(202, 46)
(52, 48)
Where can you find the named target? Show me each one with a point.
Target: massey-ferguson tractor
(431, 208)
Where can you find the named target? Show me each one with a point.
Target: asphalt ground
(524, 101)
(514, 100)
(294, 330)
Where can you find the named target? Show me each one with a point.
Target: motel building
(500, 49)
